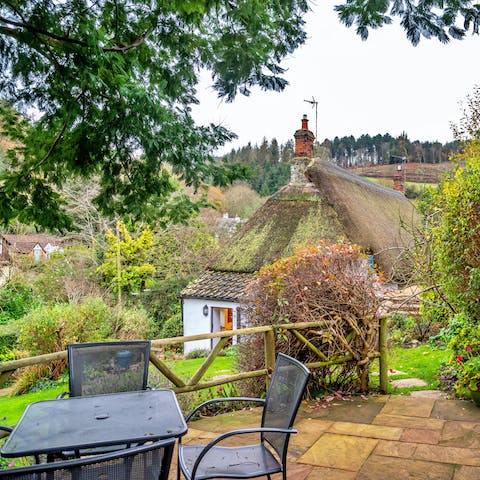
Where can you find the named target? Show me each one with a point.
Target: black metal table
(78, 423)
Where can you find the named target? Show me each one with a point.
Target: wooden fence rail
(195, 382)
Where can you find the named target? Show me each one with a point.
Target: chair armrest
(232, 433)
(220, 400)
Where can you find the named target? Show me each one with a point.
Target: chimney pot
(305, 122)
(304, 140)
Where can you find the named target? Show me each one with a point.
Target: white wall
(195, 322)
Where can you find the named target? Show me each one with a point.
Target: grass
(420, 362)
(11, 408)
(186, 368)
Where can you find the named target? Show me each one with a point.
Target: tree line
(269, 168)
(384, 149)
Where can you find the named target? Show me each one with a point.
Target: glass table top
(91, 421)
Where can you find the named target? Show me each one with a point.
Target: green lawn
(11, 408)
(421, 362)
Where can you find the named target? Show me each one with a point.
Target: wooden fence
(195, 382)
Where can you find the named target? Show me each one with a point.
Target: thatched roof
(337, 206)
(374, 217)
(294, 216)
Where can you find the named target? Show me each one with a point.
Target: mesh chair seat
(237, 462)
(148, 462)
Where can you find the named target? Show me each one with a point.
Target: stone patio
(375, 438)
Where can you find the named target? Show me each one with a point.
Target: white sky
(382, 85)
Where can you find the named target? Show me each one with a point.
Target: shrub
(48, 329)
(456, 233)
(241, 201)
(200, 353)
(408, 329)
(173, 327)
(434, 310)
(64, 277)
(452, 330)
(8, 336)
(16, 299)
(465, 358)
(331, 283)
(133, 324)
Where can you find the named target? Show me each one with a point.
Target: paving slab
(380, 468)
(297, 471)
(339, 451)
(461, 434)
(466, 473)
(365, 430)
(408, 382)
(456, 410)
(358, 411)
(436, 394)
(421, 435)
(409, 406)
(404, 421)
(453, 455)
(309, 432)
(322, 473)
(395, 449)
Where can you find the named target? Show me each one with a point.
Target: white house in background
(38, 247)
(322, 202)
(211, 304)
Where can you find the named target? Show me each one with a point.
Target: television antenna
(314, 104)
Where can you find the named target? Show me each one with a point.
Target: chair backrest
(137, 463)
(108, 367)
(284, 395)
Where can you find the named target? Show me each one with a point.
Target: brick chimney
(304, 140)
(303, 154)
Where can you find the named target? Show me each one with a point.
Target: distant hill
(414, 172)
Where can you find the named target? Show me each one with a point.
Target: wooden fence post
(383, 349)
(269, 353)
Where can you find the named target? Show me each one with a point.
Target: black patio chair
(107, 367)
(5, 431)
(148, 462)
(269, 455)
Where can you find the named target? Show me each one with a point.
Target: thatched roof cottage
(321, 202)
